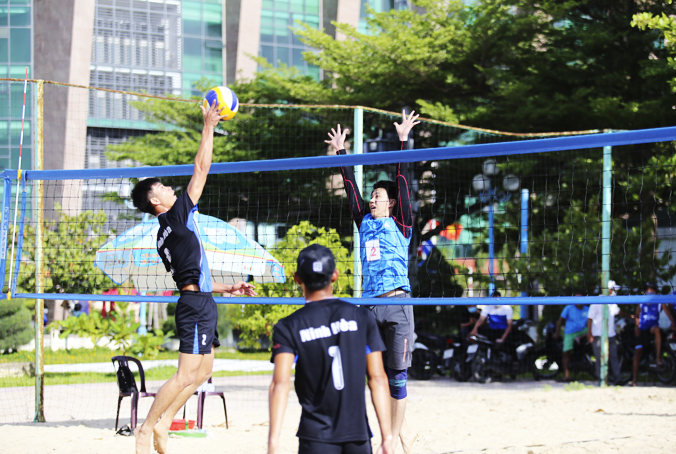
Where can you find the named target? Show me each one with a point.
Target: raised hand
(337, 138)
(211, 116)
(406, 124)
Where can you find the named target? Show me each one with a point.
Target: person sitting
(648, 325)
(468, 318)
(499, 321)
(77, 310)
(575, 316)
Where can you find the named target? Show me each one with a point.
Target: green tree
(254, 320)
(69, 247)
(15, 325)
(666, 25)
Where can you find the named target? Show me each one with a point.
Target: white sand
(526, 417)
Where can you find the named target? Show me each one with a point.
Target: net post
(605, 255)
(6, 207)
(359, 177)
(524, 244)
(39, 257)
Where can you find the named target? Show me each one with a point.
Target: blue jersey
(650, 315)
(384, 257)
(576, 319)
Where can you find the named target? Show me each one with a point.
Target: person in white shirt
(595, 325)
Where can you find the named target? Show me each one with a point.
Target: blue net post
(6, 207)
(605, 255)
(358, 148)
(524, 244)
(491, 247)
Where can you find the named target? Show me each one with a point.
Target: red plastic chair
(129, 389)
(201, 397)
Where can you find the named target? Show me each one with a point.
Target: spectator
(648, 316)
(575, 316)
(468, 318)
(499, 321)
(77, 310)
(594, 328)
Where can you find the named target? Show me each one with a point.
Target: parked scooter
(493, 360)
(440, 355)
(549, 357)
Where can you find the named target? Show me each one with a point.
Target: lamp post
(484, 184)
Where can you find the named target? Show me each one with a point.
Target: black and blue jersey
(180, 247)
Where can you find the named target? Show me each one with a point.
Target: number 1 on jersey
(337, 367)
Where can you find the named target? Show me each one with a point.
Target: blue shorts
(196, 318)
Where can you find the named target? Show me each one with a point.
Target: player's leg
(658, 343)
(184, 378)
(399, 327)
(161, 430)
(568, 340)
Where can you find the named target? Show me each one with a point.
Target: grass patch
(71, 378)
(103, 355)
(577, 386)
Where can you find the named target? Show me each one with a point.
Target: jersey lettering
(322, 332)
(337, 368)
(373, 250)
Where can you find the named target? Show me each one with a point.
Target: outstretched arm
(204, 153)
(357, 206)
(279, 395)
(380, 396)
(404, 215)
(240, 288)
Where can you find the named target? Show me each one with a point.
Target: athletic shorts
(396, 327)
(320, 447)
(196, 317)
(644, 337)
(568, 339)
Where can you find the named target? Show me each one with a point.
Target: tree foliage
(15, 325)
(254, 321)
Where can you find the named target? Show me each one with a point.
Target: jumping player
(333, 343)
(385, 234)
(180, 248)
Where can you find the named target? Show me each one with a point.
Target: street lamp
(484, 184)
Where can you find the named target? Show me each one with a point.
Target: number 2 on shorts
(336, 367)
(204, 339)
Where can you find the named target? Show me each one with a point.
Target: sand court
(519, 417)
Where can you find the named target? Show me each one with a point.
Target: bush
(15, 325)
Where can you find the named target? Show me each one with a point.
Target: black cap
(653, 286)
(316, 266)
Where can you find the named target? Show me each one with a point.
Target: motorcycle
(666, 373)
(439, 354)
(549, 357)
(492, 360)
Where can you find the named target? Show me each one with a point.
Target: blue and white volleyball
(227, 101)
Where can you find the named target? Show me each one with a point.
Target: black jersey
(180, 247)
(331, 339)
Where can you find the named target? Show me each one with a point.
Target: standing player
(181, 250)
(385, 235)
(335, 343)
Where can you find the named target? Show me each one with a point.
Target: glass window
(16, 105)
(4, 133)
(268, 52)
(4, 53)
(192, 18)
(15, 131)
(192, 53)
(19, 72)
(298, 58)
(312, 6)
(313, 71)
(297, 6)
(19, 17)
(25, 157)
(4, 71)
(20, 45)
(213, 60)
(4, 17)
(4, 159)
(283, 56)
(213, 18)
(19, 2)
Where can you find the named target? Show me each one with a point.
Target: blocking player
(333, 343)
(385, 235)
(180, 248)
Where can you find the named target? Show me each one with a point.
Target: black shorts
(320, 447)
(644, 338)
(196, 318)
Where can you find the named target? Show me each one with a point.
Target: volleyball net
(543, 220)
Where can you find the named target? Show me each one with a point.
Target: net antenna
(18, 182)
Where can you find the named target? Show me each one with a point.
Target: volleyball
(227, 101)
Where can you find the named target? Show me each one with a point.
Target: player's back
(331, 339)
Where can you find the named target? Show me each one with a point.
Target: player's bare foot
(407, 444)
(160, 434)
(142, 440)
